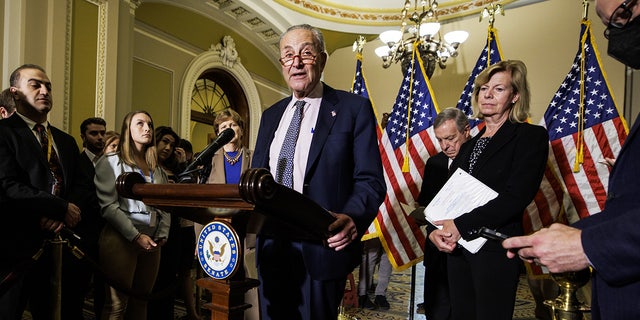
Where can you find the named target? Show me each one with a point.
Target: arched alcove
(217, 65)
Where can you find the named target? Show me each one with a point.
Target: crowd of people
(59, 189)
(322, 143)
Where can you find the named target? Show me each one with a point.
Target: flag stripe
(584, 98)
(401, 238)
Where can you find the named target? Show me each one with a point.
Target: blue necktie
(284, 172)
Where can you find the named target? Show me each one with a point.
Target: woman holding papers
(509, 156)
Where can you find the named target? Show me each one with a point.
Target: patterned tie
(54, 163)
(284, 172)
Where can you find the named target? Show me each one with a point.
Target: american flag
(491, 54)
(584, 127)
(359, 83)
(401, 238)
(360, 88)
(405, 144)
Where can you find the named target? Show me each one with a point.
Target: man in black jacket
(38, 180)
(451, 128)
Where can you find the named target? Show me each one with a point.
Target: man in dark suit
(322, 143)
(79, 274)
(609, 241)
(35, 189)
(451, 128)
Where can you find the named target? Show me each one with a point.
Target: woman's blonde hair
(520, 109)
(126, 145)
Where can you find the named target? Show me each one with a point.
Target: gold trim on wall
(66, 103)
(101, 51)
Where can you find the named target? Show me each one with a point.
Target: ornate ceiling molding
(346, 14)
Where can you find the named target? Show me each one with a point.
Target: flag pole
(412, 296)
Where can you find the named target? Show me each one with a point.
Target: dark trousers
(161, 307)
(287, 291)
(437, 304)
(483, 285)
(35, 289)
(14, 300)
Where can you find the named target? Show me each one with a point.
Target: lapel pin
(333, 113)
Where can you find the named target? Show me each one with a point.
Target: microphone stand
(186, 177)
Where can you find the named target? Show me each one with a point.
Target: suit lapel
(26, 134)
(502, 137)
(630, 136)
(329, 111)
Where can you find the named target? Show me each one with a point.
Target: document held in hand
(460, 194)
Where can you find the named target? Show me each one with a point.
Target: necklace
(231, 160)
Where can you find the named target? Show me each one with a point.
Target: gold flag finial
(585, 6)
(491, 11)
(358, 45)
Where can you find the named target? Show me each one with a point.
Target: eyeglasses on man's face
(620, 17)
(306, 57)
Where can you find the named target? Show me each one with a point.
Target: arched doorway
(217, 90)
(217, 76)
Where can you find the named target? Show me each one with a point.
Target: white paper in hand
(459, 195)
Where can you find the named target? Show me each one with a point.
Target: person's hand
(346, 232)
(449, 227)
(180, 154)
(146, 243)
(609, 162)
(559, 248)
(161, 241)
(72, 217)
(442, 240)
(51, 225)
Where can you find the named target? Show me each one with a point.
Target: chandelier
(423, 34)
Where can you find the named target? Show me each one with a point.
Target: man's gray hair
(452, 114)
(316, 33)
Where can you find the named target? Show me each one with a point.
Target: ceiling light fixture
(423, 34)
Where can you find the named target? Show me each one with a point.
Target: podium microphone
(205, 156)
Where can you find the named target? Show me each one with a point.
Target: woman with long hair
(131, 240)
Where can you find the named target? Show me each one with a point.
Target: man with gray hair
(451, 128)
(320, 142)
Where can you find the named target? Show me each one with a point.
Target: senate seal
(218, 250)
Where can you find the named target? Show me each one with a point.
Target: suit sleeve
(15, 186)
(612, 245)
(369, 187)
(522, 182)
(108, 198)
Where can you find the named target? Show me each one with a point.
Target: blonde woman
(131, 240)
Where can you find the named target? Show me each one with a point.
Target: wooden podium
(194, 202)
(204, 203)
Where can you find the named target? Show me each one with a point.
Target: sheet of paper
(460, 194)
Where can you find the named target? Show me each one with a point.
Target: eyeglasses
(305, 58)
(620, 17)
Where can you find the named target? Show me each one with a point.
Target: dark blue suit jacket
(343, 174)
(611, 239)
(25, 187)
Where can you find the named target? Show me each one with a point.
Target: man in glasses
(320, 142)
(622, 29)
(609, 241)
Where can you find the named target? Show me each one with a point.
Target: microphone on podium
(205, 156)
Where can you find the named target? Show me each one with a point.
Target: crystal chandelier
(422, 34)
